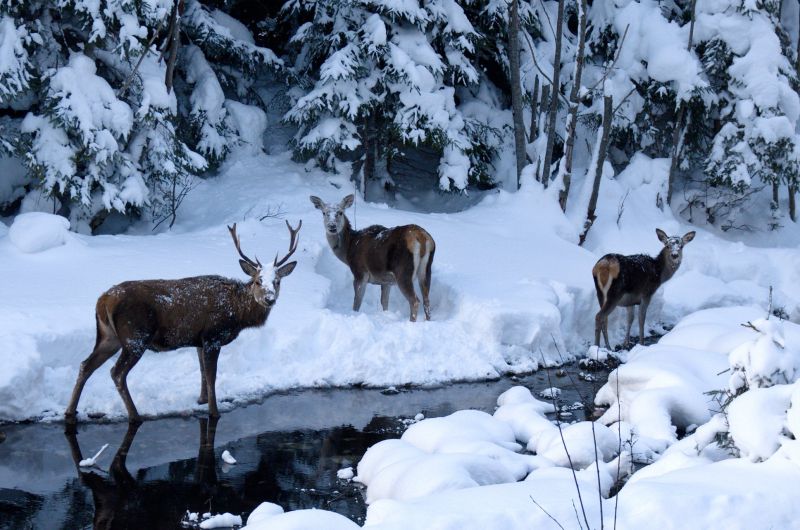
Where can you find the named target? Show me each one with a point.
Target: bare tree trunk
(370, 153)
(598, 169)
(572, 120)
(792, 204)
(534, 130)
(677, 133)
(516, 89)
(551, 119)
(173, 40)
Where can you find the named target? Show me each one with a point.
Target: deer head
(265, 284)
(333, 216)
(673, 246)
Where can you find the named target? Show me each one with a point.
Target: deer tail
(605, 272)
(105, 321)
(422, 250)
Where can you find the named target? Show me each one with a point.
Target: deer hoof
(202, 400)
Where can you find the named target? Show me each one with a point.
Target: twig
(621, 207)
(564, 444)
(546, 513)
(614, 62)
(146, 51)
(619, 446)
(547, 16)
(769, 306)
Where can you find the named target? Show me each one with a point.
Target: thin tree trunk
(174, 40)
(572, 121)
(368, 168)
(792, 204)
(534, 130)
(775, 193)
(598, 169)
(677, 133)
(551, 124)
(516, 89)
(676, 144)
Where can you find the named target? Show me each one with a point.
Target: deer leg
(425, 288)
(630, 323)
(119, 373)
(103, 351)
(601, 324)
(210, 357)
(203, 388)
(406, 285)
(359, 286)
(642, 315)
(385, 290)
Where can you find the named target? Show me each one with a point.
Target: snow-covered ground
(511, 290)
(736, 470)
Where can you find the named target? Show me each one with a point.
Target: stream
(289, 448)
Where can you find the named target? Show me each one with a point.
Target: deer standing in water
(206, 312)
(380, 255)
(628, 281)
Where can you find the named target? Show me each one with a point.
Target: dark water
(289, 449)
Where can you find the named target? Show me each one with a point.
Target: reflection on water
(289, 449)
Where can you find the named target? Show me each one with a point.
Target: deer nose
(332, 228)
(675, 255)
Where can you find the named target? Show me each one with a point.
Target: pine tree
(104, 129)
(388, 72)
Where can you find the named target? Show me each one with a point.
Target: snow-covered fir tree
(104, 130)
(383, 74)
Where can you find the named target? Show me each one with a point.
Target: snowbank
(37, 231)
(508, 295)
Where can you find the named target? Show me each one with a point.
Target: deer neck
(340, 242)
(250, 313)
(664, 266)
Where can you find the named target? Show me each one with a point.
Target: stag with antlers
(206, 312)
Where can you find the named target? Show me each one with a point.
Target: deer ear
(662, 236)
(688, 237)
(347, 202)
(247, 268)
(286, 270)
(316, 201)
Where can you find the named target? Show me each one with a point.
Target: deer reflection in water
(122, 501)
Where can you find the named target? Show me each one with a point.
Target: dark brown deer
(206, 312)
(380, 255)
(628, 281)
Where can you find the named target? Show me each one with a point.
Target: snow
(227, 457)
(298, 520)
(222, 520)
(470, 469)
(37, 232)
(89, 462)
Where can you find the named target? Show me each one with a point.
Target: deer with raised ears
(628, 281)
(206, 312)
(380, 255)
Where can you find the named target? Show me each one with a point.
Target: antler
(236, 242)
(292, 243)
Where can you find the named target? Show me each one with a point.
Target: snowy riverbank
(511, 289)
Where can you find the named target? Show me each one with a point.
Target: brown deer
(206, 312)
(380, 255)
(632, 280)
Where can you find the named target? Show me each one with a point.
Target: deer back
(379, 250)
(626, 279)
(169, 314)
